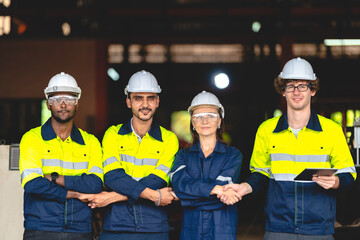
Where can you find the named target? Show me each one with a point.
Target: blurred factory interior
(184, 43)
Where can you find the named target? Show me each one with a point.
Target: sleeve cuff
(206, 189)
(346, 181)
(68, 182)
(137, 191)
(257, 181)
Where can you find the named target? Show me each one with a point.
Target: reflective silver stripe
(148, 161)
(224, 179)
(137, 161)
(96, 169)
(109, 161)
(178, 169)
(299, 158)
(29, 171)
(266, 170)
(346, 170)
(283, 176)
(163, 168)
(63, 164)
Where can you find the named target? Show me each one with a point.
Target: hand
(105, 198)
(174, 195)
(241, 189)
(48, 176)
(229, 197)
(83, 197)
(218, 190)
(166, 196)
(327, 182)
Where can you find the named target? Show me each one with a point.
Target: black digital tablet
(307, 173)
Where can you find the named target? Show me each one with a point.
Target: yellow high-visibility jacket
(279, 156)
(78, 158)
(129, 168)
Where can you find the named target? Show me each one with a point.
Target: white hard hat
(298, 68)
(206, 98)
(62, 82)
(142, 81)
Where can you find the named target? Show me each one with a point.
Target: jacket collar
(313, 124)
(48, 133)
(154, 131)
(219, 147)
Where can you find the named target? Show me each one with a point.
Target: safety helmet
(206, 98)
(298, 68)
(142, 81)
(62, 82)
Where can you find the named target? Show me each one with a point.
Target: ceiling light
(256, 26)
(342, 42)
(221, 80)
(66, 28)
(113, 74)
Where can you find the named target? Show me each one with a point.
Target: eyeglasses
(200, 117)
(301, 88)
(68, 100)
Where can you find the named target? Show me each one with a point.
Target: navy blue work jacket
(193, 177)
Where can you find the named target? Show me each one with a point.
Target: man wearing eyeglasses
(284, 147)
(60, 166)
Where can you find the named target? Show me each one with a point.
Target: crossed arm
(105, 198)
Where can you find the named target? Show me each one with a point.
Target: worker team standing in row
(66, 172)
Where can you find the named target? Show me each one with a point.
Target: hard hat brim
(56, 89)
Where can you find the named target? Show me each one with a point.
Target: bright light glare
(1, 25)
(6, 3)
(66, 28)
(221, 80)
(256, 26)
(113, 74)
(342, 42)
(7, 24)
(277, 112)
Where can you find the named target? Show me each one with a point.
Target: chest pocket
(81, 155)
(51, 159)
(80, 160)
(154, 151)
(52, 152)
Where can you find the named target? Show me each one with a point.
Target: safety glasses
(200, 117)
(58, 100)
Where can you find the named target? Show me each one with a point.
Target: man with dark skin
(60, 165)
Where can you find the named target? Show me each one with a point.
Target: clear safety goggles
(200, 117)
(58, 100)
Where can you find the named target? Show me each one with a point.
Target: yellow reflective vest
(129, 168)
(279, 156)
(78, 158)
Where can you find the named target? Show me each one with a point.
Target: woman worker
(200, 171)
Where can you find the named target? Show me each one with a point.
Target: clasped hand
(232, 193)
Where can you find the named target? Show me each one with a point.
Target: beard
(57, 116)
(144, 117)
